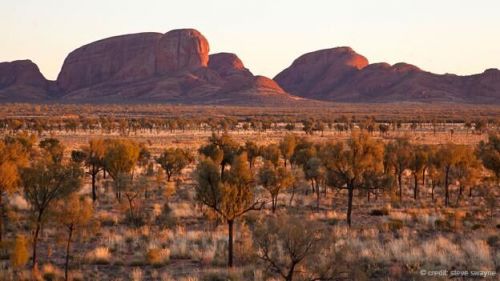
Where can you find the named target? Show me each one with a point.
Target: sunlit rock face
(172, 67)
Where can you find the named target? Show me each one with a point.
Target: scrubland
(249, 198)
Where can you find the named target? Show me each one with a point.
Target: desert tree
(274, 180)
(489, 154)
(308, 126)
(467, 170)
(434, 172)
(144, 158)
(350, 165)
(74, 214)
(314, 172)
(92, 156)
(9, 179)
(132, 188)
(304, 150)
(120, 159)
(319, 126)
(286, 243)
(253, 151)
(12, 157)
(383, 129)
(221, 149)
(397, 156)
(417, 163)
(45, 182)
(287, 146)
(271, 153)
(174, 160)
(480, 126)
(447, 157)
(231, 196)
(53, 148)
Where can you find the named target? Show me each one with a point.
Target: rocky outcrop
(340, 74)
(170, 67)
(21, 72)
(22, 81)
(133, 57)
(227, 65)
(313, 72)
(181, 49)
(176, 67)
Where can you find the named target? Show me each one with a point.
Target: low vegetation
(246, 199)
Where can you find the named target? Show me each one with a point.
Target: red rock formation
(133, 57)
(174, 67)
(21, 72)
(181, 49)
(306, 72)
(340, 74)
(22, 81)
(126, 57)
(227, 64)
(264, 83)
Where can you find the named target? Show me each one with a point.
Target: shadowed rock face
(22, 81)
(340, 74)
(21, 72)
(313, 72)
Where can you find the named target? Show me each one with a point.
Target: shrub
(100, 255)
(136, 274)
(50, 272)
(395, 224)
(158, 257)
(379, 212)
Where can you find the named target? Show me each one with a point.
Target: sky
(441, 36)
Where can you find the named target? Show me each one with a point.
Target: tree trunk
(289, 276)
(1, 216)
(400, 184)
(317, 195)
(446, 188)
(222, 166)
(415, 189)
(66, 265)
(35, 241)
(230, 243)
(423, 177)
(94, 191)
(131, 207)
(349, 203)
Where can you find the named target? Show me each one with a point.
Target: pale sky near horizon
(442, 36)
